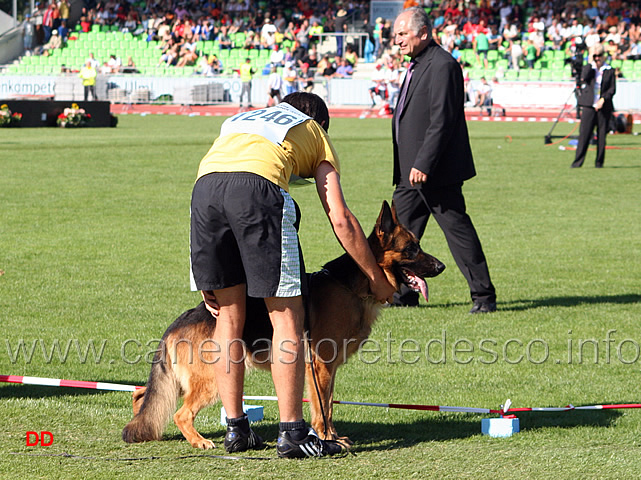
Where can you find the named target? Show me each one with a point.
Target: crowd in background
(519, 30)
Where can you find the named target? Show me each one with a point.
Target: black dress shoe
(409, 299)
(483, 307)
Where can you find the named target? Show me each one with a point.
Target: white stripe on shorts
(289, 284)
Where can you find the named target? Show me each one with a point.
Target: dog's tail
(158, 402)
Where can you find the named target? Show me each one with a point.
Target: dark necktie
(401, 99)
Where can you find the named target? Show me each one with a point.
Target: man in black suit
(597, 87)
(432, 154)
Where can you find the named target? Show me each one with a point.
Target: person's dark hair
(310, 104)
(419, 19)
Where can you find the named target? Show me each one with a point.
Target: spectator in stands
(345, 69)
(130, 25)
(311, 59)
(29, 33)
(54, 43)
(351, 56)
(171, 55)
(187, 54)
(88, 75)
(633, 51)
(277, 57)
(505, 11)
(511, 32)
(306, 78)
(64, 9)
(290, 78)
(386, 35)
(494, 39)
(85, 23)
(531, 53)
(63, 31)
(515, 55)
(481, 44)
(130, 67)
(315, 31)
(340, 26)
(246, 74)
(223, 39)
(379, 84)
(252, 41)
(394, 76)
(268, 34)
(275, 84)
(290, 31)
(378, 27)
(483, 94)
(114, 63)
(48, 17)
(302, 35)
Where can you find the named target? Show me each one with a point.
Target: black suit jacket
(587, 84)
(432, 134)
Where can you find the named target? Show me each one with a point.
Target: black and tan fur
(341, 312)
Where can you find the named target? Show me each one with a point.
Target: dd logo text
(45, 439)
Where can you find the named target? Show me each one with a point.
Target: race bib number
(272, 123)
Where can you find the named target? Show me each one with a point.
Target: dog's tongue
(421, 286)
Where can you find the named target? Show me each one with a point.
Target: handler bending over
(244, 241)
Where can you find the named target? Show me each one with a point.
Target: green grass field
(94, 252)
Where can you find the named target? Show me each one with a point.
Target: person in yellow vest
(246, 73)
(88, 75)
(315, 31)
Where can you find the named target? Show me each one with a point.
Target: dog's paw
(203, 443)
(344, 440)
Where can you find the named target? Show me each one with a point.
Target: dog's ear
(386, 219)
(394, 216)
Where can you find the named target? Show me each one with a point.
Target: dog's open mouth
(416, 283)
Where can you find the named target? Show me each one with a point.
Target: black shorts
(244, 229)
(274, 92)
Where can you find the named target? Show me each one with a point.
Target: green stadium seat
(547, 75)
(511, 75)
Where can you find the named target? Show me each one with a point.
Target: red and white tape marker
(57, 382)
(115, 387)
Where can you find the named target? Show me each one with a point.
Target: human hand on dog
(210, 302)
(381, 289)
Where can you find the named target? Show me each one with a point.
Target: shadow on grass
(13, 390)
(519, 305)
(373, 437)
(369, 436)
(570, 419)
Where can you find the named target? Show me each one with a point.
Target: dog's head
(398, 252)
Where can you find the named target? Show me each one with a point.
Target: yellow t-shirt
(305, 146)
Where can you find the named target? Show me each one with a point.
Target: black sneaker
(309, 446)
(240, 438)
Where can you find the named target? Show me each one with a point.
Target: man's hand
(599, 104)
(210, 302)
(417, 177)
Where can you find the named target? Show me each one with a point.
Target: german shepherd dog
(341, 312)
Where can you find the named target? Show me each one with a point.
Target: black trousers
(90, 89)
(591, 118)
(414, 207)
